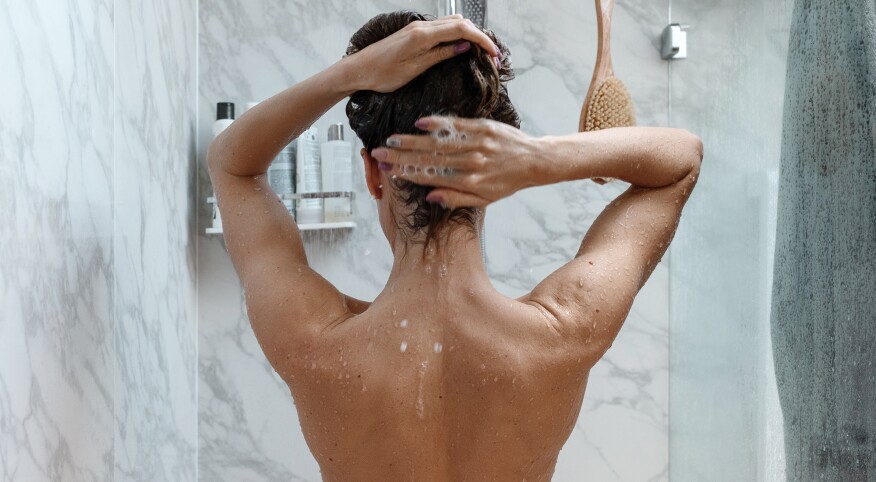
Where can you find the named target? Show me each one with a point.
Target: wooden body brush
(608, 103)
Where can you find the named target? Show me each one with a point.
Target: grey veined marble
(824, 307)
(97, 265)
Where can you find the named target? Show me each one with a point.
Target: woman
(441, 377)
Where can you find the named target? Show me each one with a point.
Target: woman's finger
(444, 125)
(429, 143)
(455, 16)
(425, 176)
(395, 157)
(460, 29)
(440, 54)
(452, 199)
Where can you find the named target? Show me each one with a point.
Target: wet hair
(467, 85)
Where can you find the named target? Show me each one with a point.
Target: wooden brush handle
(604, 9)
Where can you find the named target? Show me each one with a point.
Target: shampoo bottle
(281, 174)
(337, 174)
(224, 117)
(309, 211)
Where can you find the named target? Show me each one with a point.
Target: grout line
(669, 93)
(669, 291)
(113, 290)
(197, 237)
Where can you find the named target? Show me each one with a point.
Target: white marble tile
(154, 241)
(97, 283)
(250, 50)
(56, 338)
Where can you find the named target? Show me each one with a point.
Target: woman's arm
(592, 294)
(492, 160)
(646, 157)
(250, 143)
(261, 237)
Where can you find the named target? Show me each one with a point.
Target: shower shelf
(303, 227)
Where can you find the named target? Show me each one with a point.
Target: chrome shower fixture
(474, 10)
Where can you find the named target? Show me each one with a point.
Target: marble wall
(251, 49)
(97, 279)
(154, 240)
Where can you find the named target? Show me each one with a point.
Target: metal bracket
(674, 42)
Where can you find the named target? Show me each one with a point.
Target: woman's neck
(450, 259)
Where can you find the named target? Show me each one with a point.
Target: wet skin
(441, 377)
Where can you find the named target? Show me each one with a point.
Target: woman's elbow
(689, 151)
(214, 157)
(695, 148)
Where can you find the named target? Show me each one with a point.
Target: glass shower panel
(725, 421)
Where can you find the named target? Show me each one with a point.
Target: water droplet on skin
(403, 323)
(403, 347)
(483, 366)
(428, 269)
(443, 270)
(438, 347)
(256, 189)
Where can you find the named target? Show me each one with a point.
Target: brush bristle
(610, 106)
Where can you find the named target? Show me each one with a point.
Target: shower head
(474, 10)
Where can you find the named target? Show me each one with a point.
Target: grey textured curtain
(824, 296)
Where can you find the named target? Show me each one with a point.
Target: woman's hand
(471, 162)
(389, 64)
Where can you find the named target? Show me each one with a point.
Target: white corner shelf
(303, 227)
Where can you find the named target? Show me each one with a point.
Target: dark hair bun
(468, 85)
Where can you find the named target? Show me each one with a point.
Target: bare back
(464, 385)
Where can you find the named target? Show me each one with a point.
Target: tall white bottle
(309, 211)
(337, 174)
(281, 174)
(224, 118)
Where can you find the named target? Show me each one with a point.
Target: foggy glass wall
(772, 367)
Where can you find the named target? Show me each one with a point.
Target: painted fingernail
(462, 47)
(422, 124)
(434, 198)
(384, 166)
(380, 154)
(393, 142)
(498, 62)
